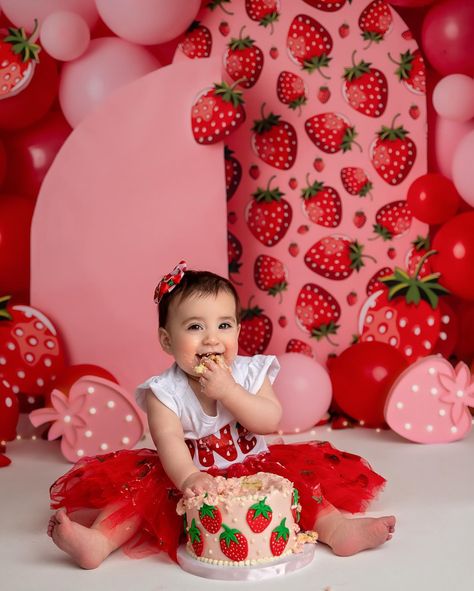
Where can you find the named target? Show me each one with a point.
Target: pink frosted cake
(249, 521)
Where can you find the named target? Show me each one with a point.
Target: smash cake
(249, 521)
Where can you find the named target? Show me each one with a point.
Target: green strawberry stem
(229, 94)
(4, 313)
(357, 70)
(421, 242)
(349, 138)
(356, 257)
(269, 19)
(282, 531)
(316, 63)
(311, 189)
(229, 535)
(194, 533)
(265, 124)
(324, 330)
(251, 312)
(261, 508)
(23, 45)
(382, 232)
(405, 65)
(277, 289)
(234, 267)
(268, 195)
(207, 511)
(213, 4)
(241, 43)
(392, 133)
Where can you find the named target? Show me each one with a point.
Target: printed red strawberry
(279, 538)
(293, 183)
(405, 314)
(414, 111)
(210, 518)
(264, 12)
(359, 219)
(270, 275)
(197, 42)
(365, 89)
(256, 330)
(274, 141)
(407, 35)
(321, 204)
(233, 544)
(293, 249)
(375, 283)
(233, 172)
(393, 219)
(351, 298)
(295, 506)
(195, 537)
(291, 90)
(234, 254)
(318, 164)
(375, 21)
(297, 346)
(213, 4)
(411, 71)
(317, 311)
(327, 5)
(18, 58)
(224, 28)
(216, 113)
(324, 94)
(336, 257)
(391, 253)
(283, 321)
(393, 154)
(355, 181)
(243, 60)
(331, 132)
(274, 53)
(419, 248)
(309, 44)
(31, 352)
(254, 171)
(344, 30)
(268, 215)
(259, 516)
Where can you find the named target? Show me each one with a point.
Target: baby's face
(201, 325)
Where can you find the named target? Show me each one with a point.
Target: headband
(170, 281)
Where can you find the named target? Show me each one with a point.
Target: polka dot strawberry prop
(18, 57)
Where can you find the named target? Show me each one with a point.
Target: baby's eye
(194, 327)
(225, 325)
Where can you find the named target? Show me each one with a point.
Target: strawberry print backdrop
(333, 134)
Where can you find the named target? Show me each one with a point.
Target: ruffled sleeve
(258, 368)
(159, 387)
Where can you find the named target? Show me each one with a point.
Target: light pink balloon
(447, 135)
(64, 35)
(463, 159)
(148, 22)
(304, 390)
(23, 13)
(108, 64)
(453, 97)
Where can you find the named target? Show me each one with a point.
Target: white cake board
(275, 568)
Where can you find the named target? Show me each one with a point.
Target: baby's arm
(167, 433)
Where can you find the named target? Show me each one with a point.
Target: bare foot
(349, 536)
(88, 547)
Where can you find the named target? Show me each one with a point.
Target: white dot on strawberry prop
(104, 447)
(19, 332)
(47, 362)
(403, 322)
(129, 418)
(88, 433)
(67, 419)
(8, 402)
(125, 440)
(40, 382)
(443, 336)
(433, 391)
(430, 321)
(400, 405)
(21, 374)
(417, 330)
(80, 452)
(408, 351)
(415, 388)
(427, 345)
(407, 426)
(2, 361)
(11, 346)
(442, 412)
(92, 410)
(110, 404)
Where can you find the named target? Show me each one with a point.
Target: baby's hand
(198, 483)
(216, 381)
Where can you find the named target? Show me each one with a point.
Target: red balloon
(3, 163)
(15, 225)
(454, 243)
(31, 152)
(32, 103)
(433, 198)
(361, 378)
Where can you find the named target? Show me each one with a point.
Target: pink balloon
(65, 35)
(447, 33)
(304, 390)
(447, 135)
(22, 13)
(453, 97)
(148, 22)
(108, 64)
(462, 168)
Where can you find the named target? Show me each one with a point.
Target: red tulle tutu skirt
(135, 483)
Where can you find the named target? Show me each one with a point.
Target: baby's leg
(347, 536)
(89, 546)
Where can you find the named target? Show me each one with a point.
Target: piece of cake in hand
(250, 520)
(219, 359)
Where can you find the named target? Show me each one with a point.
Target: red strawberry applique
(233, 172)
(279, 538)
(216, 113)
(195, 537)
(264, 12)
(393, 219)
(234, 254)
(270, 275)
(411, 71)
(243, 60)
(291, 90)
(321, 204)
(274, 141)
(317, 311)
(393, 154)
(197, 42)
(309, 44)
(18, 58)
(210, 518)
(331, 132)
(355, 181)
(259, 516)
(365, 89)
(375, 21)
(233, 544)
(256, 330)
(297, 346)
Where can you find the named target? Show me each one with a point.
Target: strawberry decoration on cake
(233, 544)
(195, 537)
(211, 518)
(18, 58)
(279, 538)
(259, 516)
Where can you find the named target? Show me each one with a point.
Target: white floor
(430, 490)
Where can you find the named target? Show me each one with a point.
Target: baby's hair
(201, 283)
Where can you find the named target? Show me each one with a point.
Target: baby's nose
(211, 337)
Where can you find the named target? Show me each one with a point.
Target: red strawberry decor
(365, 89)
(243, 60)
(393, 153)
(210, 518)
(265, 12)
(375, 21)
(259, 516)
(331, 132)
(321, 204)
(233, 544)
(393, 219)
(309, 44)
(216, 113)
(256, 330)
(274, 141)
(233, 172)
(197, 42)
(270, 275)
(336, 257)
(297, 346)
(195, 537)
(355, 181)
(18, 58)
(291, 90)
(317, 312)
(279, 538)
(411, 71)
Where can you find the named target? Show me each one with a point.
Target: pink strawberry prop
(243, 60)
(197, 42)
(393, 154)
(279, 538)
(393, 219)
(256, 330)
(233, 172)
(270, 275)
(233, 544)
(264, 12)
(309, 44)
(259, 516)
(195, 537)
(96, 417)
(355, 181)
(291, 90)
(365, 89)
(428, 402)
(210, 518)
(375, 21)
(297, 346)
(321, 204)
(317, 312)
(335, 257)
(216, 113)
(31, 352)
(411, 71)
(18, 58)
(268, 215)
(331, 132)
(274, 141)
